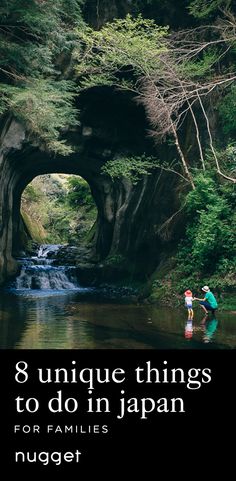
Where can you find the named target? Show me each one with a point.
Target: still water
(86, 320)
(46, 308)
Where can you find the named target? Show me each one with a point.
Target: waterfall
(38, 272)
(48, 249)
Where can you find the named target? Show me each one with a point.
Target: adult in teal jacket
(209, 302)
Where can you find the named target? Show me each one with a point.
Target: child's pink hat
(188, 293)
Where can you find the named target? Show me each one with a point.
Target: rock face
(174, 14)
(11, 140)
(131, 219)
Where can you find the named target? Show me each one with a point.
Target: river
(46, 308)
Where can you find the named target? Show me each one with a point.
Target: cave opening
(57, 209)
(112, 127)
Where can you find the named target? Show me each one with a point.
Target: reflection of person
(189, 303)
(209, 302)
(210, 326)
(188, 333)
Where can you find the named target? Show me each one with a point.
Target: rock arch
(128, 216)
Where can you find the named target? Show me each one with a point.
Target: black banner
(85, 410)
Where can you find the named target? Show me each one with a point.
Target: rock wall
(132, 220)
(11, 140)
(175, 14)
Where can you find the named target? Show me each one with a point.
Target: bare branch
(232, 179)
(163, 230)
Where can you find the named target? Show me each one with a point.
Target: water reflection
(80, 320)
(188, 333)
(209, 328)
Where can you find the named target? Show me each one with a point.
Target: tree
(36, 41)
(188, 78)
(131, 45)
(205, 8)
(172, 75)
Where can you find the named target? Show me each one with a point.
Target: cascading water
(38, 272)
(46, 250)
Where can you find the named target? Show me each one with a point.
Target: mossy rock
(34, 230)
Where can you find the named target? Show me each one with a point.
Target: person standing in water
(209, 302)
(189, 303)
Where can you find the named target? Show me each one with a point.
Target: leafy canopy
(129, 45)
(36, 37)
(131, 168)
(79, 192)
(227, 111)
(204, 8)
(45, 107)
(209, 235)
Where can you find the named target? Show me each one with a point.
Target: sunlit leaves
(130, 43)
(44, 107)
(131, 168)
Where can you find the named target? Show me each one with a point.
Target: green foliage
(132, 168)
(38, 40)
(19, 61)
(206, 255)
(135, 54)
(226, 157)
(36, 20)
(229, 303)
(58, 223)
(79, 193)
(227, 110)
(210, 245)
(31, 194)
(134, 43)
(34, 34)
(204, 8)
(60, 209)
(45, 108)
(201, 67)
